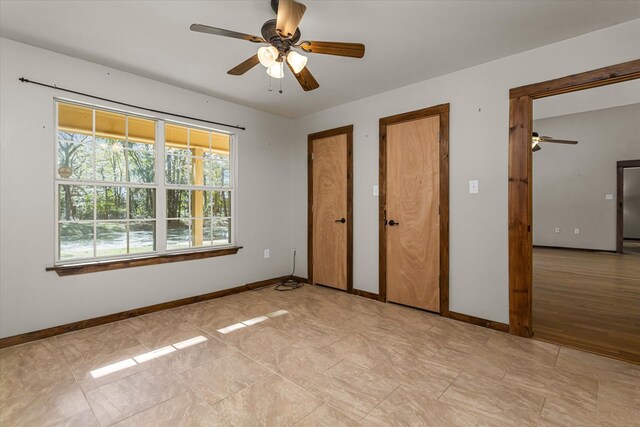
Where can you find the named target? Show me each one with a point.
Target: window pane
(199, 204)
(198, 166)
(178, 234)
(75, 160)
(76, 240)
(178, 170)
(178, 204)
(142, 203)
(216, 170)
(111, 202)
(206, 209)
(221, 149)
(75, 202)
(221, 203)
(142, 236)
(221, 231)
(75, 119)
(111, 238)
(175, 137)
(142, 131)
(207, 229)
(199, 141)
(110, 160)
(110, 125)
(198, 236)
(141, 166)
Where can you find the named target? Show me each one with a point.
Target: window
(130, 185)
(198, 182)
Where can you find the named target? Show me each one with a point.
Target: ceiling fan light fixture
(267, 55)
(297, 61)
(275, 70)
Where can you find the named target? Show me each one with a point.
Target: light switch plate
(266, 253)
(473, 186)
(576, 231)
(556, 230)
(376, 191)
(608, 196)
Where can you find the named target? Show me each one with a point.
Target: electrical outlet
(376, 191)
(556, 230)
(266, 253)
(608, 196)
(576, 231)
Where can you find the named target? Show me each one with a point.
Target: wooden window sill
(92, 267)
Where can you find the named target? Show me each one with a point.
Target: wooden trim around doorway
(348, 130)
(443, 112)
(620, 167)
(520, 177)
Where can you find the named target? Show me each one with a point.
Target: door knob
(392, 223)
(342, 220)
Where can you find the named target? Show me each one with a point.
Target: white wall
(631, 212)
(31, 298)
(570, 181)
(479, 99)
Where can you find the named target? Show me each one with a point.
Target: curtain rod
(24, 80)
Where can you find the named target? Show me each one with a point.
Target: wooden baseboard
(574, 249)
(365, 294)
(502, 327)
(96, 321)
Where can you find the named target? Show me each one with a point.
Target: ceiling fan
(282, 36)
(536, 140)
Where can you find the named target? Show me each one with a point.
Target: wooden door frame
(520, 177)
(442, 111)
(620, 167)
(348, 130)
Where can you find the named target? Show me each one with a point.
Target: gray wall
(570, 182)
(631, 219)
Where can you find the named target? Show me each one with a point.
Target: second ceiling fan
(282, 36)
(536, 139)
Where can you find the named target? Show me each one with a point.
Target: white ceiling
(407, 41)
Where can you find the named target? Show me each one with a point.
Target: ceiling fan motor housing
(270, 34)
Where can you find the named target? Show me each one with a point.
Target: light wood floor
(588, 300)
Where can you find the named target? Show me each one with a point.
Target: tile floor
(308, 357)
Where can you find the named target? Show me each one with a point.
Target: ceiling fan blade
(290, 14)
(305, 78)
(557, 141)
(352, 50)
(245, 66)
(225, 33)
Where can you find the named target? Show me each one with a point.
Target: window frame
(159, 185)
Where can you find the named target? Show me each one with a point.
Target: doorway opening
(521, 203)
(628, 212)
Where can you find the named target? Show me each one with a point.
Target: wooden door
(331, 217)
(412, 213)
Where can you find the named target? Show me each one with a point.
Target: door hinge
(312, 156)
(311, 208)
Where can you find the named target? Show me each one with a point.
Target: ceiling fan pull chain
(282, 74)
(270, 88)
